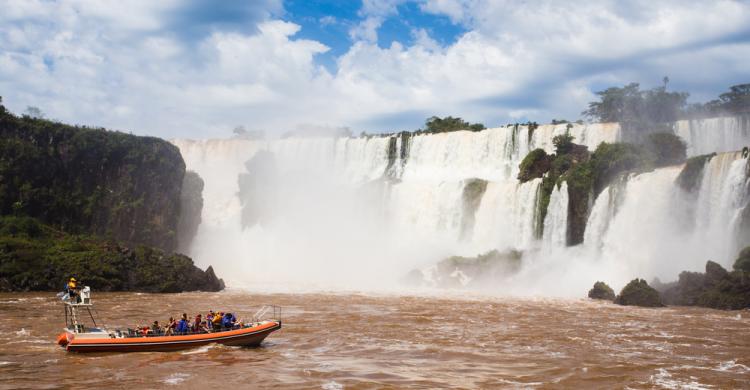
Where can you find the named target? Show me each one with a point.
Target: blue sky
(200, 68)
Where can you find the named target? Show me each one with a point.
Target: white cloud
(90, 63)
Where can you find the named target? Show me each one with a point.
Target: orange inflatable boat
(80, 338)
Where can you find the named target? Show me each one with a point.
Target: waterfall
(704, 136)
(556, 221)
(656, 229)
(357, 212)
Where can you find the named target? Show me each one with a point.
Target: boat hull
(246, 337)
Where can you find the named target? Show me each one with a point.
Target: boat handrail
(274, 310)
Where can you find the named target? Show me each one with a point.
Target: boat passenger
(171, 326)
(210, 319)
(197, 323)
(183, 326)
(217, 320)
(155, 328)
(228, 321)
(203, 327)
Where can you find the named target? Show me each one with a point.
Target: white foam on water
(176, 378)
(733, 366)
(332, 385)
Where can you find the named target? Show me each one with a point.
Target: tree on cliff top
(637, 109)
(440, 125)
(736, 101)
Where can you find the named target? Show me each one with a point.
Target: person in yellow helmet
(72, 288)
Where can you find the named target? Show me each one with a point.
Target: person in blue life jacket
(184, 325)
(228, 321)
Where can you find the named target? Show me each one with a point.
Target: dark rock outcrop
(716, 288)
(639, 293)
(602, 291)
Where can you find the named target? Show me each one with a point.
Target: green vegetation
(602, 291)
(588, 174)
(563, 143)
(441, 125)
(534, 165)
(639, 293)
(552, 169)
(636, 110)
(37, 257)
(742, 263)
(666, 149)
(691, 173)
(734, 102)
(611, 160)
(90, 181)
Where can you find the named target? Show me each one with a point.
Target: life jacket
(71, 286)
(216, 320)
(182, 326)
(227, 320)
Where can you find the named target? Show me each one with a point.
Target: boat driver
(72, 288)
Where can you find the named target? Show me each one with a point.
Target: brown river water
(337, 340)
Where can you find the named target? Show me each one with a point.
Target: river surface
(337, 340)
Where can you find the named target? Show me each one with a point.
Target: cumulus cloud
(94, 63)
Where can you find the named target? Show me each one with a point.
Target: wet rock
(639, 293)
(602, 291)
(717, 288)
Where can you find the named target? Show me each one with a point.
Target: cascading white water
(556, 221)
(348, 212)
(711, 135)
(660, 229)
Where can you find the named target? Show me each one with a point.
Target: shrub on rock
(602, 291)
(639, 293)
(534, 165)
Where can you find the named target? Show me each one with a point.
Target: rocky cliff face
(91, 181)
(99, 205)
